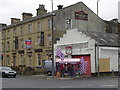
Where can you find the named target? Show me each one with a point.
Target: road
(42, 82)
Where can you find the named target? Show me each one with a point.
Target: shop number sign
(68, 50)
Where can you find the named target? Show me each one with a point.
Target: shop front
(74, 67)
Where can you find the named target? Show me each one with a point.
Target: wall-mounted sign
(21, 52)
(69, 50)
(38, 50)
(81, 15)
(28, 44)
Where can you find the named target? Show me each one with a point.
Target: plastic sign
(81, 15)
(28, 44)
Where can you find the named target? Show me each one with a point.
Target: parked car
(48, 67)
(7, 71)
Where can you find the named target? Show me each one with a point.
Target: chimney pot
(60, 7)
(41, 10)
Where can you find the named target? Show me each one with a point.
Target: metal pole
(52, 42)
(97, 41)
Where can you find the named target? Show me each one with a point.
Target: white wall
(0, 45)
(111, 53)
(119, 11)
(75, 39)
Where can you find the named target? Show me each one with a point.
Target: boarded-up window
(104, 64)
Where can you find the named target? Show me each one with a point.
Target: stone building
(79, 16)
(28, 42)
(76, 44)
(112, 26)
(1, 47)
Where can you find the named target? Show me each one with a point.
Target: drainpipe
(95, 61)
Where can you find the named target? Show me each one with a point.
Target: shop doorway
(88, 61)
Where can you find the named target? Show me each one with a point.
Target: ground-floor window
(39, 61)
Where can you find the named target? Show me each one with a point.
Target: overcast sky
(108, 9)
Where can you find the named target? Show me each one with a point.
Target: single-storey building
(99, 50)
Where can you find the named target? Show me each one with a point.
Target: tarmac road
(41, 81)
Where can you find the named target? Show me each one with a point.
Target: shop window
(39, 61)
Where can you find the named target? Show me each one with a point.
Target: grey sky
(108, 9)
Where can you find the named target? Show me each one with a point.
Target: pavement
(70, 78)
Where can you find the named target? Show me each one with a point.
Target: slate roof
(104, 39)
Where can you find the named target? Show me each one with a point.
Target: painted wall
(111, 53)
(0, 46)
(77, 39)
(69, 13)
(119, 11)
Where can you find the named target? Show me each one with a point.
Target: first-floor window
(68, 23)
(39, 41)
(8, 60)
(39, 57)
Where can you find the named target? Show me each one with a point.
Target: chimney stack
(15, 20)
(2, 25)
(26, 16)
(41, 10)
(60, 7)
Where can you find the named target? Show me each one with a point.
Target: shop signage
(69, 60)
(28, 44)
(21, 52)
(38, 50)
(69, 50)
(81, 15)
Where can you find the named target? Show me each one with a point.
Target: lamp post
(97, 40)
(52, 41)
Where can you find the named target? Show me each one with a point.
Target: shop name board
(38, 50)
(81, 15)
(69, 50)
